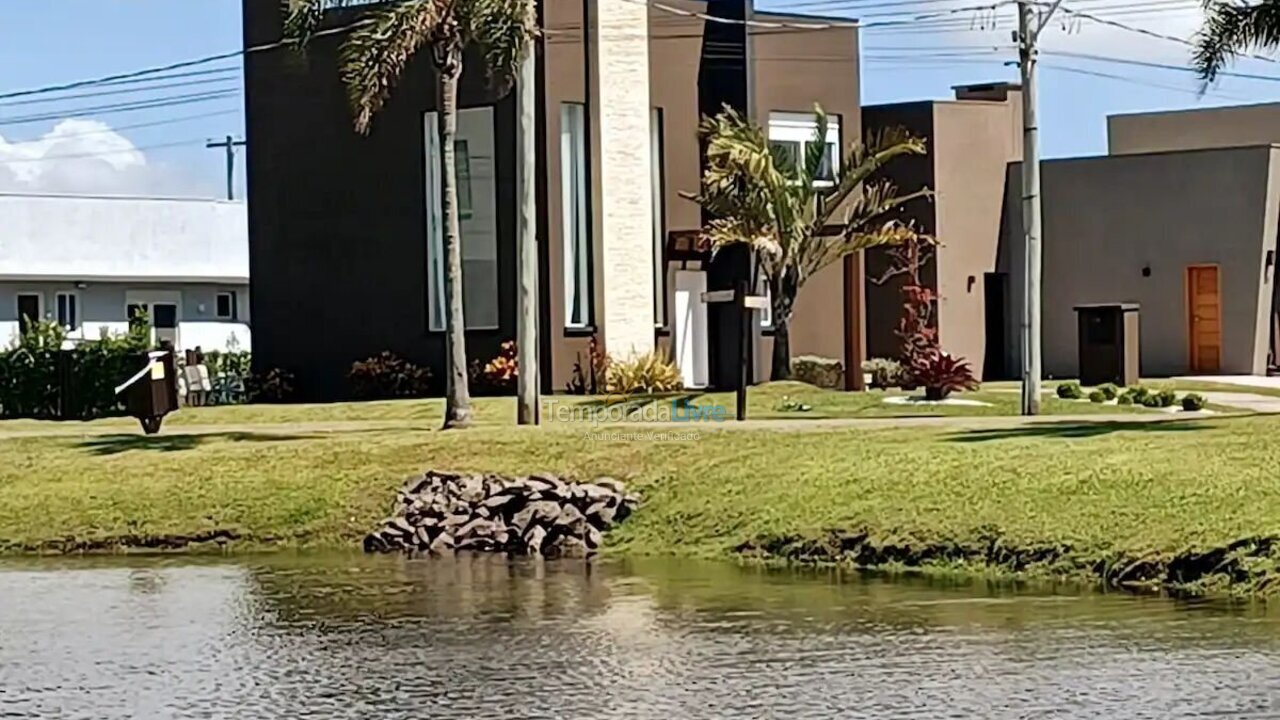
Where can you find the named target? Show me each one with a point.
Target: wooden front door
(1204, 307)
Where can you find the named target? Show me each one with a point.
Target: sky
(88, 141)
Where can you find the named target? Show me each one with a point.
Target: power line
(153, 104)
(1155, 65)
(104, 153)
(153, 123)
(123, 91)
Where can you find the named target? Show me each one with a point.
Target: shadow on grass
(1075, 429)
(115, 444)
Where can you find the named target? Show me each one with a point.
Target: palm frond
(377, 51)
(816, 148)
(303, 17)
(1231, 28)
(503, 31)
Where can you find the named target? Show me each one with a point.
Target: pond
(348, 636)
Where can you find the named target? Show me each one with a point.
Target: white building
(91, 263)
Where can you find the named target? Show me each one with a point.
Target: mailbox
(1108, 343)
(152, 392)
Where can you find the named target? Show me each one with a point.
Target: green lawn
(764, 402)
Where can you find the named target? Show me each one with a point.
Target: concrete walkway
(1248, 381)
(1251, 402)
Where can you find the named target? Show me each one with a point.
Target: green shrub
(787, 404)
(274, 386)
(1166, 398)
(1151, 401)
(1109, 391)
(1138, 393)
(885, 373)
(652, 372)
(1125, 399)
(818, 371)
(1191, 402)
(1097, 396)
(1070, 391)
(386, 376)
(39, 379)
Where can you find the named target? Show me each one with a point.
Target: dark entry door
(995, 287)
(28, 311)
(165, 321)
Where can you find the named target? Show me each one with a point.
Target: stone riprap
(541, 514)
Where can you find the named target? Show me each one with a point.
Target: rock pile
(540, 514)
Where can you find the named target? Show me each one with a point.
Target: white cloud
(87, 157)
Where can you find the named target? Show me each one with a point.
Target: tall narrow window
(477, 219)
(575, 201)
(659, 220)
(29, 310)
(225, 306)
(68, 310)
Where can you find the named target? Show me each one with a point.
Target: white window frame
(148, 299)
(234, 314)
(73, 297)
(766, 313)
(658, 182)
(576, 215)
(800, 128)
(437, 303)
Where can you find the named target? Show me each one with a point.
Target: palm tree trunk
(457, 409)
(782, 305)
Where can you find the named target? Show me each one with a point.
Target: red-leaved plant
(940, 374)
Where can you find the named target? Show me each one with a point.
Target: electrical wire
(122, 91)
(172, 101)
(104, 153)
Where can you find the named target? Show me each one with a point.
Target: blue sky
(45, 42)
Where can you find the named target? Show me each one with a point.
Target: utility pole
(527, 240)
(1029, 28)
(229, 144)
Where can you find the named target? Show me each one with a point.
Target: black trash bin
(1108, 343)
(152, 391)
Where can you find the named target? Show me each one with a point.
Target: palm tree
(799, 214)
(1233, 28)
(372, 59)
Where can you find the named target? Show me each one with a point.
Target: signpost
(746, 303)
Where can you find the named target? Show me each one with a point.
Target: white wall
(87, 238)
(102, 307)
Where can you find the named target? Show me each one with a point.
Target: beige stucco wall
(1107, 218)
(973, 143)
(1235, 126)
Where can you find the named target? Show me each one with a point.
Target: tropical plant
(273, 386)
(386, 376)
(589, 380)
(652, 372)
(796, 223)
(940, 374)
(373, 58)
(1233, 28)
(1070, 391)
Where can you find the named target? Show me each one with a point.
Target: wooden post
(855, 326)
(744, 319)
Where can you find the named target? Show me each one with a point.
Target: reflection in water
(355, 637)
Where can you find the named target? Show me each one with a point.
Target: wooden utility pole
(527, 240)
(229, 144)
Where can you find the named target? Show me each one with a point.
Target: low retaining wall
(540, 514)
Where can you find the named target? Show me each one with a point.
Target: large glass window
(575, 208)
(477, 220)
(790, 134)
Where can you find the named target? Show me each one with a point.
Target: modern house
(1181, 219)
(93, 263)
(345, 229)
(970, 142)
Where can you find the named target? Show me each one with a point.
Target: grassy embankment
(1192, 504)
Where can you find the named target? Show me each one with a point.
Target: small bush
(498, 376)
(1097, 396)
(386, 376)
(940, 374)
(1137, 393)
(818, 371)
(1151, 401)
(652, 372)
(274, 386)
(789, 405)
(1166, 398)
(885, 373)
(1109, 391)
(1192, 402)
(589, 380)
(1070, 391)
(1125, 399)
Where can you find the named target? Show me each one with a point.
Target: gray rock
(544, 511)
(534, 539)
(399, 526)
(475, 528)
(471, 490)
(456, 520)
(540, 481)
(499, 500)
(611, 485)
(569, 546)
(442, 544)
(423, 537)
(593, 538)
(569, 516)
(601, 515)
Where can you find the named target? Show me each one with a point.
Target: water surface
(345, 636)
